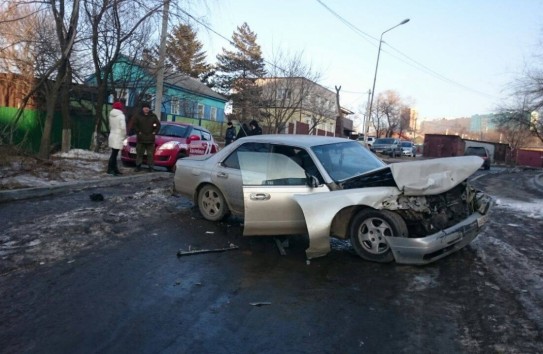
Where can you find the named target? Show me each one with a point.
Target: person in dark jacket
(255, 128)
(243, 131)
(146, 125)
(230, 135)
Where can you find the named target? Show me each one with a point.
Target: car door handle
(259, 196)
(222, 175)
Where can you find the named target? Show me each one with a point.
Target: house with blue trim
(185, 99)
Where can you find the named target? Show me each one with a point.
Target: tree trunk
(65, 110)
(45, 144)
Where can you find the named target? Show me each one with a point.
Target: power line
(412, 62)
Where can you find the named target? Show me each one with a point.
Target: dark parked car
(173, 141)
(387, 146)
(481, 152)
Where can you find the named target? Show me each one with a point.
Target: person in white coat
(117, 133)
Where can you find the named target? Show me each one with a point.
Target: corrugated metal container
(440, 145)
(531, 158)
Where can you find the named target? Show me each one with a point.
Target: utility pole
(161, 55)
(339, 120)
(367, 119)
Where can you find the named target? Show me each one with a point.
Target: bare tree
(527, 100)
(516, 124)
(387, 115)
(115, 26)
(29, 54)
(289, 91)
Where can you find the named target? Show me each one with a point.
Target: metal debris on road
(215, 250)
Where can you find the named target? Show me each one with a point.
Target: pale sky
(454, 58)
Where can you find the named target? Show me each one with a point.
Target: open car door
(269, 182)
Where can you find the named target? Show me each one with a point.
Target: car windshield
(384, 141)
(345, 160)
(407, 144)
(179, 131)
(476, 151)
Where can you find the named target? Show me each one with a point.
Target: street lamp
(366, 125)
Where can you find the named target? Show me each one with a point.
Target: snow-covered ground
(75, 165)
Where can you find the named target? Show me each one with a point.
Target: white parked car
(408, 148)
(411, 212)
(370, 140)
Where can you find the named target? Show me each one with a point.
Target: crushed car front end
(439, 224)
(424, 209)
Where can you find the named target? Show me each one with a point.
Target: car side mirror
(193, 138)
(312, 181)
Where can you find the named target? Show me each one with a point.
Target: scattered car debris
(190, 252)
(280, 246)
(96, 197)
(260, 303)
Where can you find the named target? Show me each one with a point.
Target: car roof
(295, 139)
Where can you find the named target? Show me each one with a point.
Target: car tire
(368, 230)
(128, 163)
(211, 203)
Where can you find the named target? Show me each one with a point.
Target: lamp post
(366, 125)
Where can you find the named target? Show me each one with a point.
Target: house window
(213, 113)
(200, 111)
(122, 95)
(175, 106)
(283, 94)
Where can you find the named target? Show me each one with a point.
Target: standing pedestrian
(230, 135)
(117, 133)
(255, 128)
(243, 131)
(146, 125)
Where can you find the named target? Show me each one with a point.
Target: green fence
(31, 125)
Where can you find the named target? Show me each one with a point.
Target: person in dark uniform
(146, 125)
(255, 128)
(230, 134)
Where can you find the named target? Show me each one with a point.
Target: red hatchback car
(173, 141)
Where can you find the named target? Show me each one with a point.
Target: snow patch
(532, 209)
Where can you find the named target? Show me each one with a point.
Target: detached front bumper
(428, 249)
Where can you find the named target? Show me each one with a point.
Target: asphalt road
(79, 276)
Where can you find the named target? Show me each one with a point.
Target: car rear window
(477, 151)
(384, 141)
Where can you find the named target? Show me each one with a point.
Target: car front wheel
(368, 230)
(211, 203)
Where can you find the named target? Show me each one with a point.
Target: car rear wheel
(211, 203)
(368, 230)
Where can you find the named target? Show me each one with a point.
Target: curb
(538, 180)
(27, 193)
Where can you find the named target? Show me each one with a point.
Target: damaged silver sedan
(409, 212)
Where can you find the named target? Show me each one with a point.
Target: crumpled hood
(423, 177)
(433, 176)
